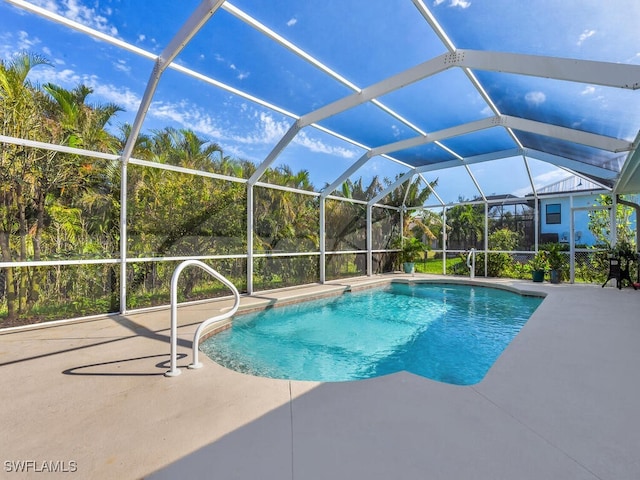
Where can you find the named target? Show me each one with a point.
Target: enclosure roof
(422, 86)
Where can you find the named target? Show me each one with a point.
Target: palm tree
(409, 194)
(81, 124)
(70, 181)
(19, 117)
(466, 223)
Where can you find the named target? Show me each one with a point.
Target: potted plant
(624, 253)
(557, 262)
(412, 248)
(538, 266)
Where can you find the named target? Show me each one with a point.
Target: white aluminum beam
(81, 28)
(530, 176)
(281, 145)
(590, 72)
(433, 23)
(629, 181)
(250, 252)
(391, 187)
(577, 136)
(407, 77)
(601, 142)
(436, 136)
(342, 178)
(284, 188)
(57, 148)
(431, 189)
(475, 182)
(369, 241)
(263, 29)
(575, 165)
(485, 157)
(194, 23)
(582, 71)
(239, 14)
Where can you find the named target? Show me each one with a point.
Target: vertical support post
(614, 220)
(536, 223)
(486, 238)
(123, 235)
(249, 239)
(323, 247)
(401, 233)
(572, 246)
(369, 241)
(444, 240)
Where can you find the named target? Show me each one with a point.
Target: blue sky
(363, 45)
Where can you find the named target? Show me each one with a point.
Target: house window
(553, 213)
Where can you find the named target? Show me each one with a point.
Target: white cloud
(242, 76)
(65, 78)
(107, 93)
(122, 66)
(267, 130)
(535, 98)
(584, 35)
(114, 94)
(550, 177)
(460, 3)
(454, 3)
(187, 116)
(292, 22)
(588, 90)
(543, 180)
(74, 10)
(10, 45)
(142, 37)
(318, 146)
(26, 42)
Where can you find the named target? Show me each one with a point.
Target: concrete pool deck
(89, 399)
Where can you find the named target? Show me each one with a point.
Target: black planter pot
(537, 275)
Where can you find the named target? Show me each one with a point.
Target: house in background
(558, 200)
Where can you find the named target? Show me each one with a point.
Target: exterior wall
(581, 219)
(583, 235)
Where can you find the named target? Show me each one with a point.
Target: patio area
(561, 402)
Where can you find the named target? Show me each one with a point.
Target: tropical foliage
(64, 207)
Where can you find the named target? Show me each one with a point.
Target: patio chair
(619, 272)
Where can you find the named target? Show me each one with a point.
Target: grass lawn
(434, 265)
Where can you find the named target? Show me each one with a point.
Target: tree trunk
(22, 226)
(12, 312)
(36, 278)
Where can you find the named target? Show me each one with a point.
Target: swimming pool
(450, 333)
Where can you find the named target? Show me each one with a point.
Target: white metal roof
(427, 87)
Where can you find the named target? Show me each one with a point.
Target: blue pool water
(450, 333)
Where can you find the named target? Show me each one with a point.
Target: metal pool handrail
(471, 262)
(173, 372)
